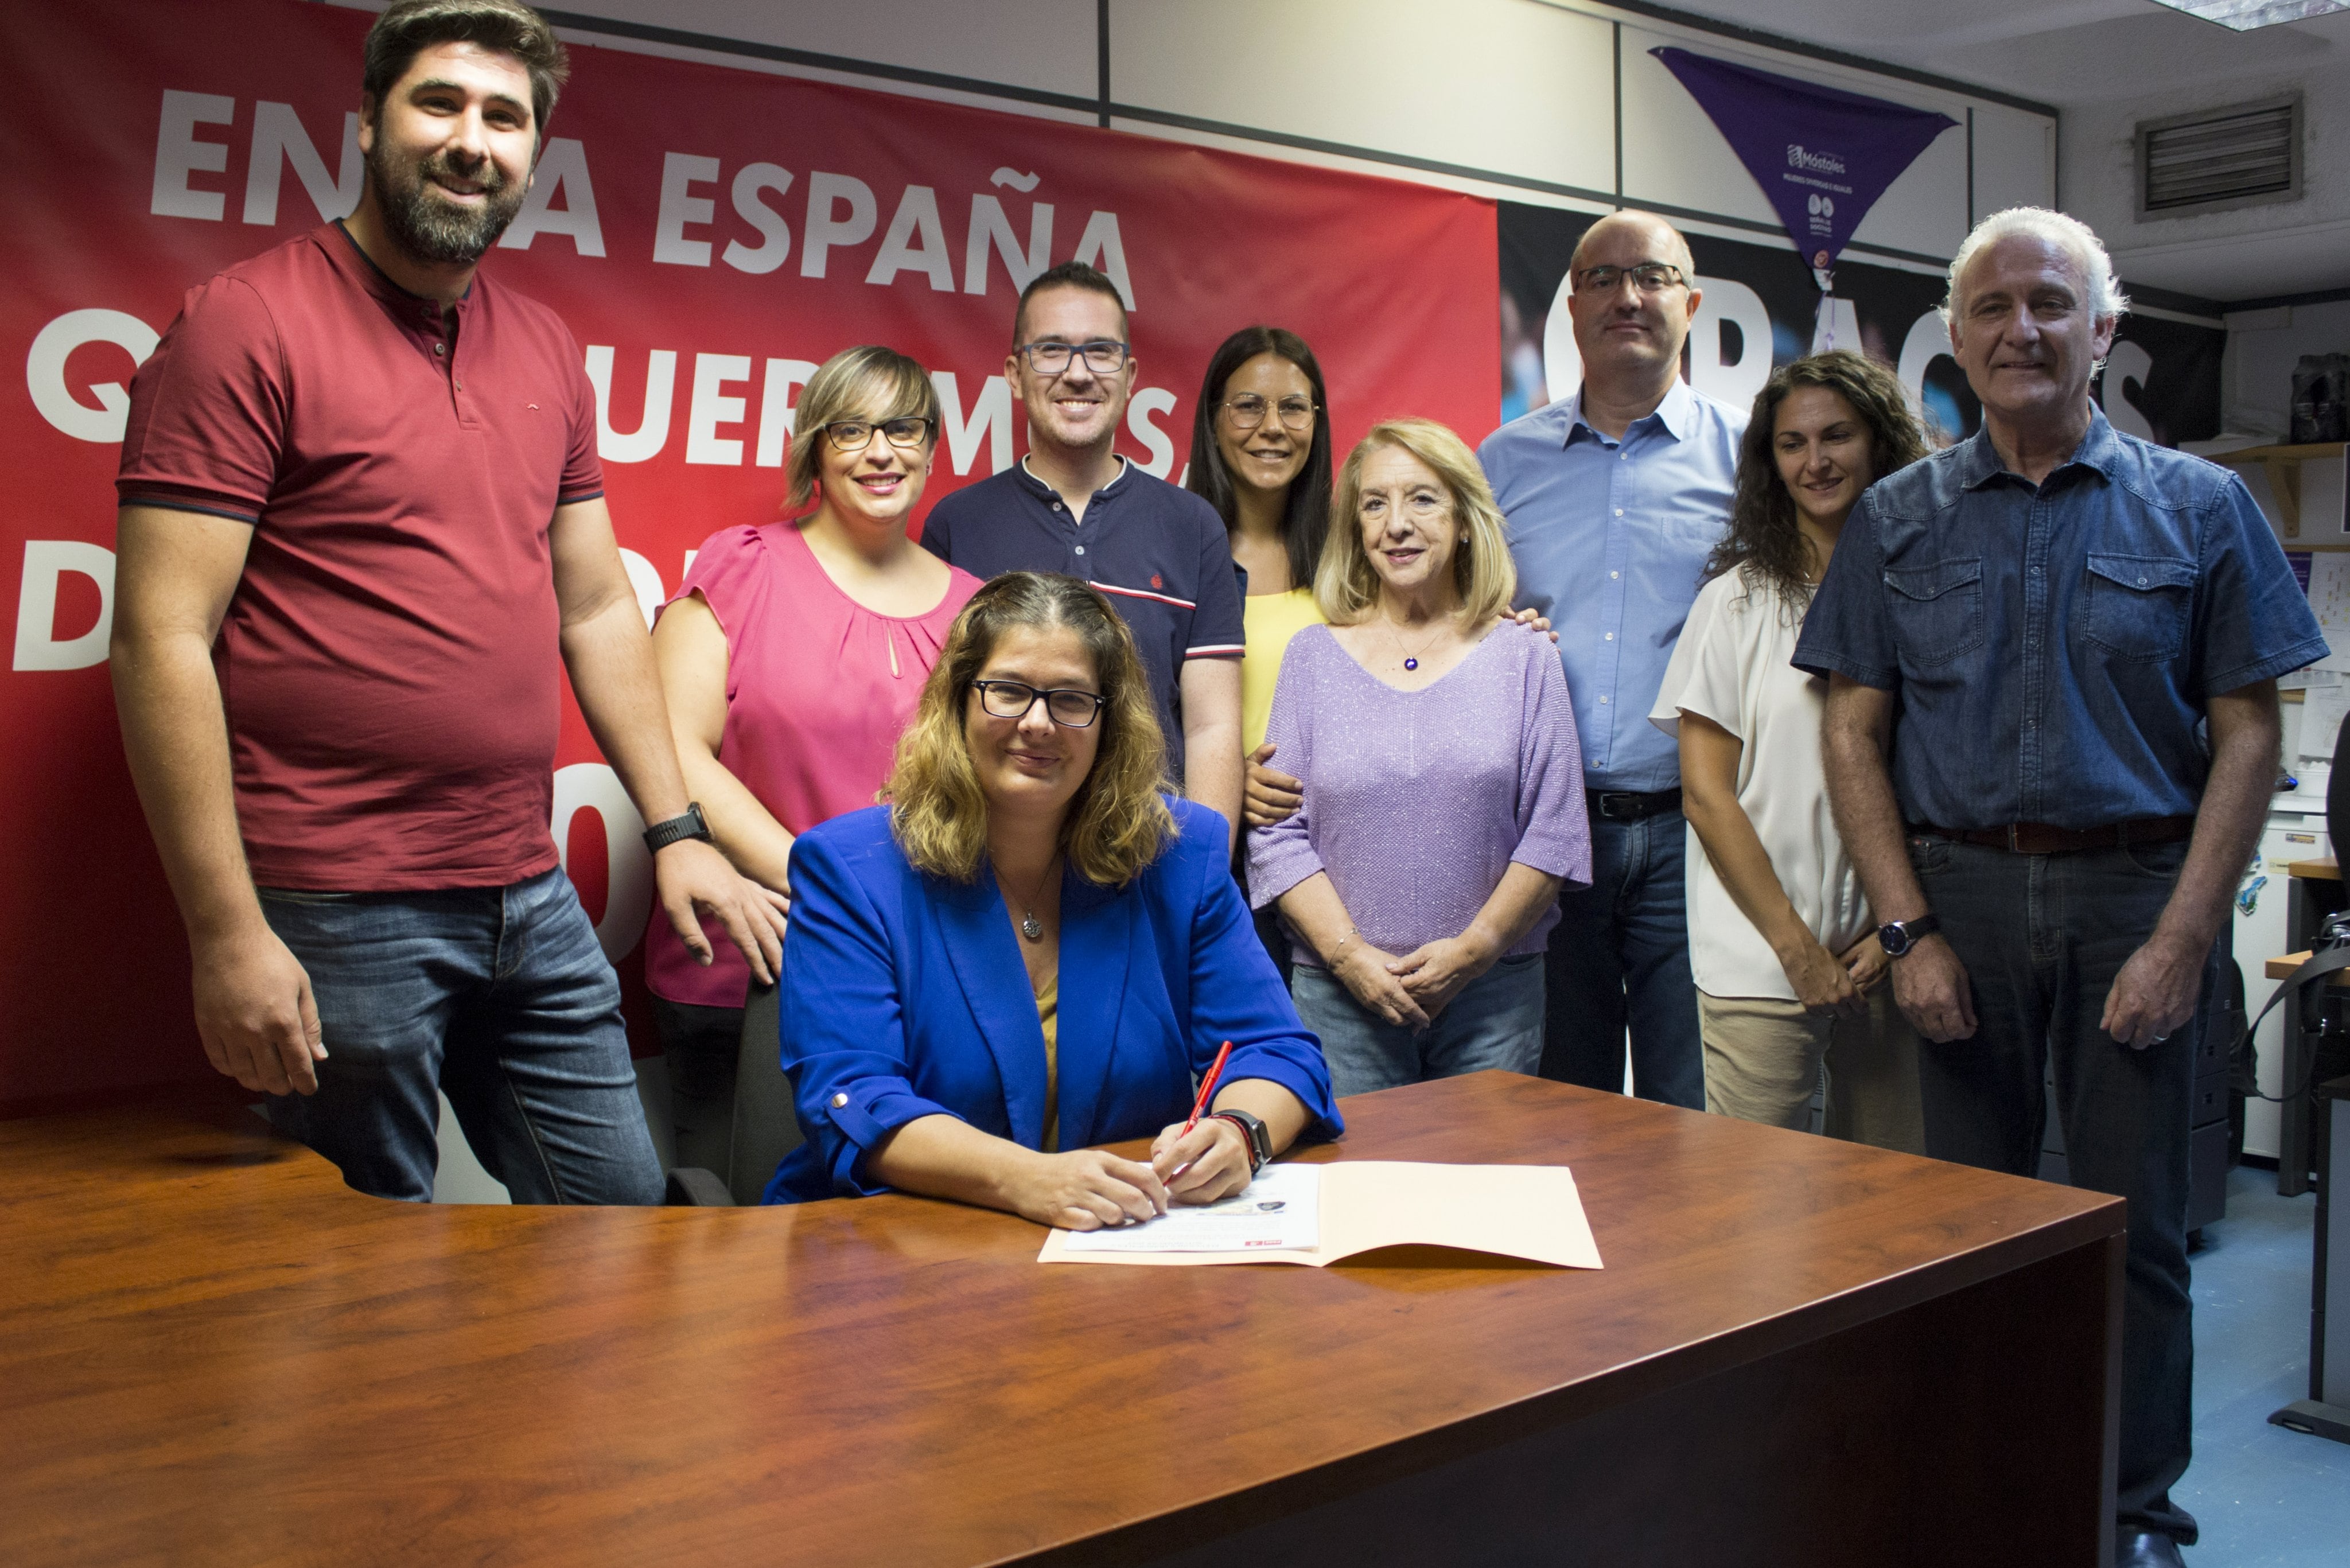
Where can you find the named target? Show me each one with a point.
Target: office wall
(2300, 242)
(1515, 99)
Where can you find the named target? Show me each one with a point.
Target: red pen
(1200, 1105)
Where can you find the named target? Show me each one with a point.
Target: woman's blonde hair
(1345, 585)
(867, 381)
(1117, 823)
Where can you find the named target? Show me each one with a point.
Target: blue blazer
(904, 995)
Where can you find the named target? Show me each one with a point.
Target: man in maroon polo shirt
(361, 517)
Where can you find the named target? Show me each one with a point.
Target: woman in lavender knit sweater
(1444, 802)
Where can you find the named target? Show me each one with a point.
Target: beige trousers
(1762, 1059)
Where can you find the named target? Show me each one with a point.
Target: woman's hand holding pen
(1201, 1164)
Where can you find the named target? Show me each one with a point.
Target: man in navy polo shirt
(1074, 505)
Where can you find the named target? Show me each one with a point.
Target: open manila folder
(1529, 1212)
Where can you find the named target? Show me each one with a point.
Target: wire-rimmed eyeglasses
(1248, 411)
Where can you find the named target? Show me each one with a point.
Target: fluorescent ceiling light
(2244, 15)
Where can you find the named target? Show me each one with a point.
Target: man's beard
(435, 230)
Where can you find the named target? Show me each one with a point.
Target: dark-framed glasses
(1070, 708)
(1247, 411)
(1101, 356)
(856, 435)
(1649, 277)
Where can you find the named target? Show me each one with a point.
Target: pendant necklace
(1410, 660)
(1030, 926)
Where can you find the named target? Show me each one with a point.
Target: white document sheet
(2329, 587)
(1280, 1209)
(1530, 1211)
(2337, 644)
(2321, 719)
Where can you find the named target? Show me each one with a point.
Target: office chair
(765, 1126)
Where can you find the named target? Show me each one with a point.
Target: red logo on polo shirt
(1155, 582)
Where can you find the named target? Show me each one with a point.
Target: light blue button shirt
(1609, 537)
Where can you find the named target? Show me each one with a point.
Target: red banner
(711, 234)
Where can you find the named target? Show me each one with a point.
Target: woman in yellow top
(1261, 457)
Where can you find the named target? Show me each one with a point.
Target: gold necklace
(1030, 926)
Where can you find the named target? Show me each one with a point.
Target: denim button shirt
(1610, 539)
(2052, 646)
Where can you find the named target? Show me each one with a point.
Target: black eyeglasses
(856, 435)
(1649, 277)
(1069, 707)
(1102, 356)
(1247, 411)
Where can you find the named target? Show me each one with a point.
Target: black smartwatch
(1897, 936)
(1260, 1142)
(661, 834)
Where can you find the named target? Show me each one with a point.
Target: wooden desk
(1800, 1352)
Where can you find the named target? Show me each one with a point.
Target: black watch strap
(1897, 936)
(689, 825)
(1260, 1141)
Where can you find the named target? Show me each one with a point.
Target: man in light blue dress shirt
(1615, 496)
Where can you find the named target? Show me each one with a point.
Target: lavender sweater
(1417, 802)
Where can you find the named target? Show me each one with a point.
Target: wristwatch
(1897, 936)
(1260, 1142)
(661, 834)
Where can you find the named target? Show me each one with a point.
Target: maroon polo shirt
(390, 664)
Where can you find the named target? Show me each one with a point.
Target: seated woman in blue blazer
(931, 1043)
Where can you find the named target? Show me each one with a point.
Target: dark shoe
(2145, 1549)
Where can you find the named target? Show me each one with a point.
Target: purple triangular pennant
(1822, 155)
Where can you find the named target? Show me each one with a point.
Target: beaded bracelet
(1351, 934)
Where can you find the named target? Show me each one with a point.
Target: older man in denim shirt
(2069, 641)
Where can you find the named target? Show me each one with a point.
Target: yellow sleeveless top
(1268, 621)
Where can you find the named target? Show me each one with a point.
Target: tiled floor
(2266, 1497)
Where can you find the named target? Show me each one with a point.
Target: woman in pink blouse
(792, 656)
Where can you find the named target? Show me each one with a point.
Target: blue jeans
(2043, 936)
(1619, 955)
(498, 996)
(1496, 1020)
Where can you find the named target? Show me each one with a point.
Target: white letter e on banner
(45, 371)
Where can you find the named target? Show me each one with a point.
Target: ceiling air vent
(2240, 156)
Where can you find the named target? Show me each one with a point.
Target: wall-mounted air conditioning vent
(2240, 156)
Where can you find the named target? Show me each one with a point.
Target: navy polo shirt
(1158, 552)
(2054, 646)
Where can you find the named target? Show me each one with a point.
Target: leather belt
(2039, 838)
(1627, 805)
